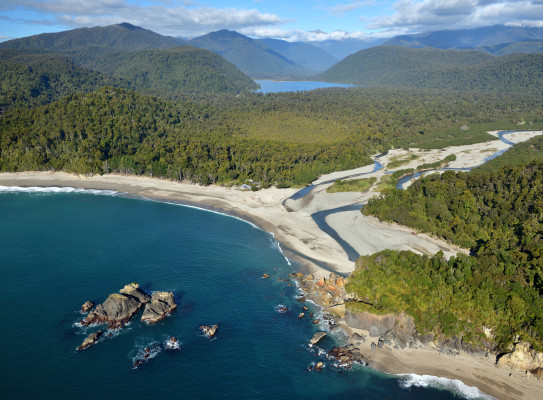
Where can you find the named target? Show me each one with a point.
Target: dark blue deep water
(60, 249)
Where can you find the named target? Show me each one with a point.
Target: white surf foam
(281, 309)
(453, 385)
(171, 344)
(55, 189)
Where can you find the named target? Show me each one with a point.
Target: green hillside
(400, 66)
(173, 72)
(253, 57)
(526, 47)
(499, 216)
(30, 79)
(120, 37)
(312, 58)
(440, 69)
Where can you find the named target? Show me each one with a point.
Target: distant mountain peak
(130, 27)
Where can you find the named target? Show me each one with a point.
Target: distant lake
(268, 86)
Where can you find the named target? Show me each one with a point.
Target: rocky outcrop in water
(120, 307)
(347, 356)
(317, 337)
(117, 310)
(160, 305)
(90, 340)
(209, 331)
(133, 290)
(87, 306)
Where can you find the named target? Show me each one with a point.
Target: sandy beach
(499, 382)
(292, 224)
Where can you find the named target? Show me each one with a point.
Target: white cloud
(164, 17)
(313, 36)
(342, 8)
(428, 15)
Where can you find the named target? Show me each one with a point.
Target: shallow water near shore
(62, 249)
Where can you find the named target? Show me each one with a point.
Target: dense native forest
(283, 139)
(498, 215)
(394, 66)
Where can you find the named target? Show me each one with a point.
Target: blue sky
(284, 19)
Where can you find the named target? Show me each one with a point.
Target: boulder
(90, 340)
(338, 310)
(209, 331)
(522, 357)
(538, 373)
(87, 306)
(326, 299)
(133, 289)
(317, 336)
(116, 310)
(161, 304)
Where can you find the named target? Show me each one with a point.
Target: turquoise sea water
(60, 249)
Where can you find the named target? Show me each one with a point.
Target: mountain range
(134, 57)
(498, 39)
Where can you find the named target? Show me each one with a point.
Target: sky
(292, 20)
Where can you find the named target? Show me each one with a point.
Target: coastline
(303, 241)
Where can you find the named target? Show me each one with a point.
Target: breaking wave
(453, 385)
(55, 189)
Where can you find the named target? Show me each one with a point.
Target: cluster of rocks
(328, 292)
(347, 356)
(119, 308)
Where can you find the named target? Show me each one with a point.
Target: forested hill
(173, 72)
(96, 40)
(393, 66)
(29, 79)
(312, 58)
(253, 57)
(499, 216)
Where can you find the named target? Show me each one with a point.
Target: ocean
(62, 247)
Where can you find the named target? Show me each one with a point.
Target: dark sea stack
(116, 310)
(161, 304)
(209, 331)
(133, 289)
(87, 306)
(90, 340)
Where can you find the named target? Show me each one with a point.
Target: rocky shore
(369, 332)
